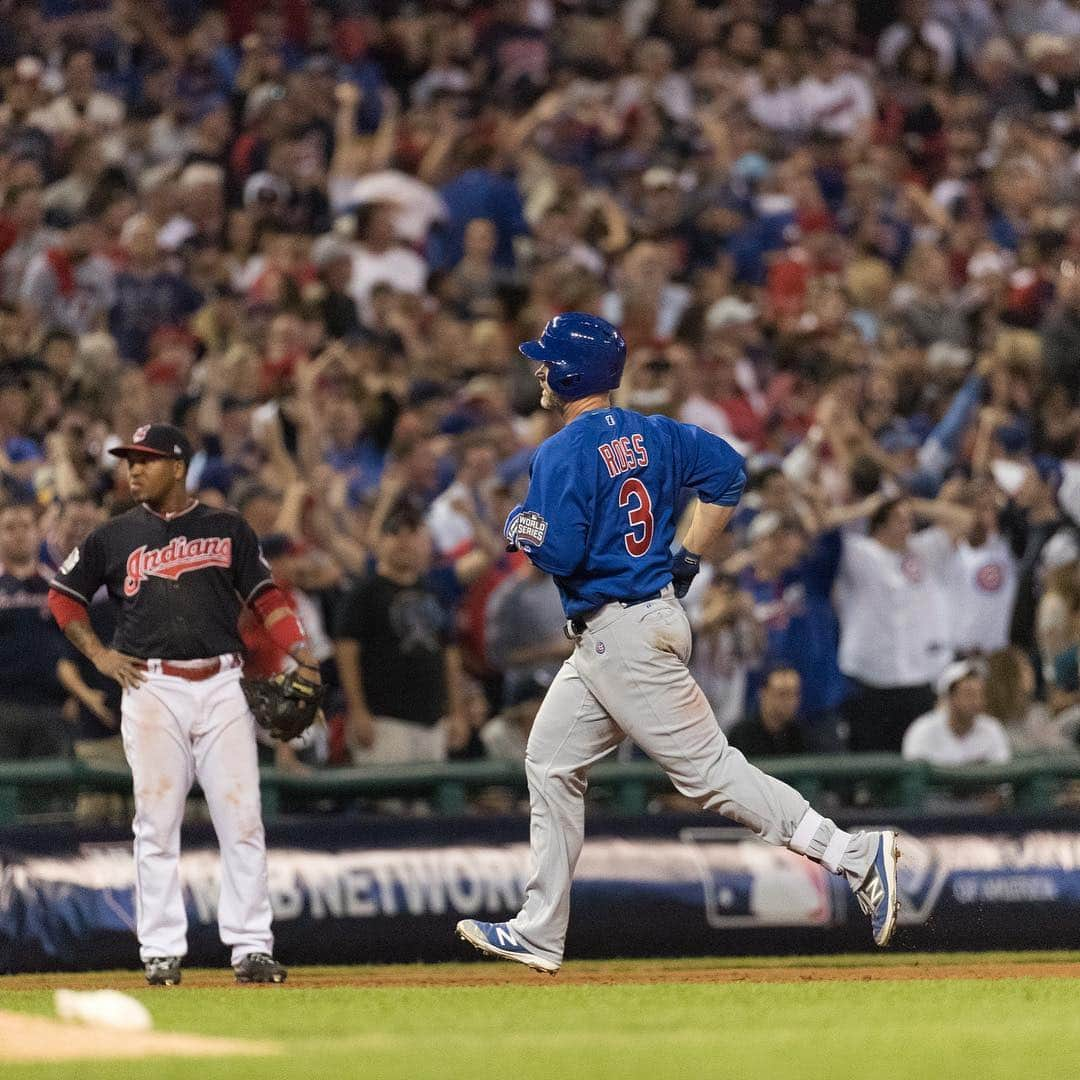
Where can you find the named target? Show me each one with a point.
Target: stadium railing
(886, 780)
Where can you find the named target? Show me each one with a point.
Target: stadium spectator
(728, 641)
(148, 295)
(506, 735)
(790, 579)
(452, 517)
(378, 259)
(918, 24)
(958, 731)
(894, 619)
(1032, 520)
(981, 586)
(835, 99)
(73, 519)
(24, 235)
(1056, 625)
(525, 634)
(82, 108)
(69, 286)
(332, 259)
(94, 715)
(20, 453)
(401, 676)
(31, 645)
(772, 99)
(1010, 698)
(851, 248)
(773, 729)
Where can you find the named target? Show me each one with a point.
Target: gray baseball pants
(628, 677)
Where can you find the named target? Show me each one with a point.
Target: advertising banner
(700, 890)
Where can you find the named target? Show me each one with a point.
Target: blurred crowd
(845, 236)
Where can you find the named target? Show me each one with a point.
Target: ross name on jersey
(623, 454)
(177, 557)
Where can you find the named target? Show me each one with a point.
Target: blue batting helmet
(584, 354)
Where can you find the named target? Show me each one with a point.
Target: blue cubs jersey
(600, 513)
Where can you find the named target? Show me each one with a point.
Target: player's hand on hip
(362, 725)
(684, 569)
(128, 671)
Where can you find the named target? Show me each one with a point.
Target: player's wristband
(286, 633)
(687, 561)
(684, 568)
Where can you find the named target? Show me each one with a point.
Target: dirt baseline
(580, 973)
(495, 973)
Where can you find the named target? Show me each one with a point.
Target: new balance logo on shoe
(874, 893)
(503, 936)
(878, 896)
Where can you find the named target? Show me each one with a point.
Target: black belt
(579, 623)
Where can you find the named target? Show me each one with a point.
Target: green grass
(544, 1029)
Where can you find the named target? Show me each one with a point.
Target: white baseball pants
(175, 731)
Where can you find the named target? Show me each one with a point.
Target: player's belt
(580, 623)
(193, 672)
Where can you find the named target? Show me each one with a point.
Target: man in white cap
(958, 731)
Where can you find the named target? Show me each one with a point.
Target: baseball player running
(180, 572)
(599, 516)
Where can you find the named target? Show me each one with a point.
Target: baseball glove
(286, 705)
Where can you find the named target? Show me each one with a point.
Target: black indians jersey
(180, 582)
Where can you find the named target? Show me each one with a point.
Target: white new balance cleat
(497, 939)
(878, 895)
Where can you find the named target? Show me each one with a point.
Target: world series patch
(530, 527)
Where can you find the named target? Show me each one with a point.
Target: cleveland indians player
(180, 572)
(599, 516)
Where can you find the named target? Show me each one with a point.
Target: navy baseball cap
(160, 440)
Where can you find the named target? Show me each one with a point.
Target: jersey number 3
(641, 516)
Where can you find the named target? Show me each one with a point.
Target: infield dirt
(576, 973)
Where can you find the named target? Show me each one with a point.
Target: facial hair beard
(550, 400)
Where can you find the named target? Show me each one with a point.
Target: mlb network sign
(697, 891)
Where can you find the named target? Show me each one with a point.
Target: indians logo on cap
(141, 433)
